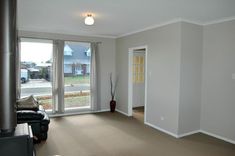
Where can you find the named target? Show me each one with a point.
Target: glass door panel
(35, 70)
(77, 58)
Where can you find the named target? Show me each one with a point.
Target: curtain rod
(45, 38)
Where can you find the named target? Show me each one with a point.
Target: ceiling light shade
(89, 20)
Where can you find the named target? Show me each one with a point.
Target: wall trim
(151, 27)
(189, 133)
(220, 21)
(218, 137)
(119, 111)
(102, 110)
(77, 113)
(36, 30)
(176, 20)
(191, 22)
(161, 129)
(153, 126)
(207, 133)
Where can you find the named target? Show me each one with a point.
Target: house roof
(33, 69)
(43, 64)
(79, 54)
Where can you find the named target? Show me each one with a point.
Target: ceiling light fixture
(89, 20)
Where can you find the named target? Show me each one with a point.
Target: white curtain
(18, 70)
(94, 89)
(58, 76)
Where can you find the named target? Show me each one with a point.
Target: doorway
(137, 84)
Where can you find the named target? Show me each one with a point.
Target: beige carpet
(113, 134)
(138, 113)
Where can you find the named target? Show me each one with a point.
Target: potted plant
(113, 86)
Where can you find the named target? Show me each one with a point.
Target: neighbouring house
(27, 64)
(34, 73)
(76, 60)
(44, 70)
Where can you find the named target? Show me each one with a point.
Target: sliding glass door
(35, 70)
(77, 58)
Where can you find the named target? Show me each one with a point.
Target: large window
(35, 70)
(77, 60)
(44, 62)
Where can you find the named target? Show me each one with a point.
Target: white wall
(163, 73)
(218, 87)
(106, 58)
(190, 78)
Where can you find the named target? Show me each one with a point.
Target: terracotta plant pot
(112, 105)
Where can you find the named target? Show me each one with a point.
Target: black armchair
(38, 119)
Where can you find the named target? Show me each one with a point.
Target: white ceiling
(115, 18)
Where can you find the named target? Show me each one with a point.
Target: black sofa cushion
(39, 121)
(29, 115)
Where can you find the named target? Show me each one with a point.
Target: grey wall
(190, 82)
(218, 87)
(106, 58)
(176, 73)
(163, 78)
(190, 77)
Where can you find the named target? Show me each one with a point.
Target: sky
(36, 52)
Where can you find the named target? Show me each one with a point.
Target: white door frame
(130, 80)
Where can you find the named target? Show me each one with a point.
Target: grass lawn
(71, 100)
(77, 80)
(77, 101)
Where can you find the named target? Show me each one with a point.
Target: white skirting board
(218, 137)
(162, 130)
(122, 112)
(191, 133)
(77, 113)
(184, 134)
(156, 127)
